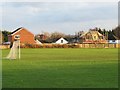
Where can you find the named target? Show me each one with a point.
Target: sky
(65, 17)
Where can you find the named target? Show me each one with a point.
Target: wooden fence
(99, 45)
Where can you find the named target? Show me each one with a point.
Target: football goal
(15, 50)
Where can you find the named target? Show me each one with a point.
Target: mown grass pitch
(62, 68)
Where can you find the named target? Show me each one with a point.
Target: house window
(101, 37)
(94, 37)
(61, 41)
(17, 37)
(87, 37)
(113, 40)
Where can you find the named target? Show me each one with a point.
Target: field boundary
(46, 45)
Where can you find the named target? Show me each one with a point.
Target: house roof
(62, 39)
(37, 41)
(83, 34)
(115, 38)
(17, 30)
(92, 32)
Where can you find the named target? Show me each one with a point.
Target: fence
(99, 45)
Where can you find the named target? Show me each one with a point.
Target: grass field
(62, 68)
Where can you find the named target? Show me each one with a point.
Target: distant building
(118, 41)
(114, 41)
(41, 38)
(92, 37)
(61, 41)
(25, 36)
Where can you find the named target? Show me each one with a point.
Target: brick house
(92, 37)
(25, 36)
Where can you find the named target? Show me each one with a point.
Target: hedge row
(70, 46)
(49, 46)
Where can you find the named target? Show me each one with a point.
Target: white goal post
(15, 50)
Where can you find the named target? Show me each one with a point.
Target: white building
(114, 41)
(118, 41)
(61, 41)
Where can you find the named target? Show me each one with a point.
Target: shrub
(27, 45)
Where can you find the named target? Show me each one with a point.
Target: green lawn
(62, 68)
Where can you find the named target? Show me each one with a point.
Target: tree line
(110, 34)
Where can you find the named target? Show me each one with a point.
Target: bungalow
(25, 36)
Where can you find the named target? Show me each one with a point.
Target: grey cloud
(57, 15)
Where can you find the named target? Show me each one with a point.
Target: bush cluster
(68, 45)
(49, 46)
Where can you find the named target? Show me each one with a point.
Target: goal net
(15, 50)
